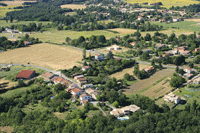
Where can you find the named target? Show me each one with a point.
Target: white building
(99, 57)
(172, 98)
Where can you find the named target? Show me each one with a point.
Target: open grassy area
(167, 4)
(120, 75)
(14, 92)
(5, 9)
(6, 129)
(73, 6)
(185, 25)
(4, 23)
(16, 2)
(146, 83)
(44, 55)
(4, 84)
(35, 107)
(124, 31)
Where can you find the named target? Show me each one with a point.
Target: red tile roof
(76, 90)
(25, 74)
(59, 79)
(84, 101)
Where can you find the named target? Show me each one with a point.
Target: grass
(185, 25)
(73, 6)
(35, 107)
(6, 129)
(15, 2)
(44, 55)
(145, 84)
(6, 83)
(166, 4)
(120, 75)
(14, 92)
(4, 23)
(5, 9)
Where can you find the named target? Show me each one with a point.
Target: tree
(67, 39)
(110, 55)
(84, 53)
(177, 81)
(21, 83)
(145, 56)
(85, 63)
(115, 104)
(147, 37)
(127, 77)
(101, 39)
(177, 69)
(81, 39)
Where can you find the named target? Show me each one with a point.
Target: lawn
(73, 6)
(144, 84)
(166, 3)
(14, 92)
(185, 25)
(44, 55)
(120, 75)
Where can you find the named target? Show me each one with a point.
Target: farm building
(26, 74)
(27, 43)
(172, 98)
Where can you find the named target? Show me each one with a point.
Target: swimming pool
(123, 118)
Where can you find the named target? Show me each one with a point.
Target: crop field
(120, 75)
(105, 50)
(15, 2)
(185, 25)
(166, 3)
(159, 89)
(144, 84)
(123, 31)
(73, 6)
(4, 84)
(44, 55)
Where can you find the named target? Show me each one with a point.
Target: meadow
(4, 23)
(145, 84)
(5, 9)
(73, 6)
(44, 55)
(166, 3)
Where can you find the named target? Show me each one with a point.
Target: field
(123, 31)
(73, 6)
(4, 24)
(160, 89)
(44, 55)
(166, 3)
(120, 75)
(194, 20)
(6, 129)
(6, 83)
(15, 2)
(185, 25)
(142, 85)
(5, 9)
(105, 50)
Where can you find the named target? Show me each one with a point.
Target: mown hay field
(145, 83)
(73, 6)
(166, 3)
(120, 75)
(159, 89)
(44, 55)
(123, 31)
(15, 2)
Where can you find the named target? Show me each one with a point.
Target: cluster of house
(172, 98)
(79, 77)
(6, 68)
(8, 30)
(188, 72)
(85, 94)
(113, 47)
(124, 111)
(194, 80)
(56, 79)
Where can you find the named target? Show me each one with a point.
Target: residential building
(85, 68)
(26, 74)
(140, 18)
(149, 69)
(88, 85)
(93, 92)
(85, 97)
(125, 110)
(188, 70)
(147, 50)
(167, 54)
(27, 43)
(172, 98)
(175, 19)
(133, 43)
(197, 49)
(83, 102)
(99, 57)
(79, 76)
(58, 80)
(76, 91)
(73, 85)
(159, 46)
(48, 76)
(75, 74)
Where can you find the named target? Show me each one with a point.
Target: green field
(184, 25)
(4, 23)
(4, 10)
(166, 3)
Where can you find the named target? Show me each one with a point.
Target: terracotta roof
(85, 67)
(59, 79)
(48, 75)
(84, 101)
(76, 90)
(82, 79)
(25, 74)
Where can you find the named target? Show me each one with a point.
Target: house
(197, 49)
(116, 113)
(93, 92)
(83, 102)
(27, 43)
(133, 43)
(76, 91)
(99, 57)
(82, 82)
(175, 19)
(85, 97)
(179, 50)
(48, 76)
(147, 50)
(172, 98)
(188, 75)
(65, 82)
(162, 20)
(88, 85)
(73, 85)
(188, 70)
(166, 54)
(149, 69)
(186, 52)
(110, 48)
(75, 74)
(54, 78)
(85, 68)
(79, 76)
(26, 74)
(140, 18)
(159, 46)
(58, 80)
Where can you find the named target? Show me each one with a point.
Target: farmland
(73, 6)
(6, 83)
(167, 4)
(4, 24)
(142, 85)
(15, 2)
(45, 55)
(120, 75)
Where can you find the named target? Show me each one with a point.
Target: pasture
(73, 6)
(143, 85)
(166, 3)
(124, 31)
(15, 2)
(5, 9)
(120, 75)
(44, 55)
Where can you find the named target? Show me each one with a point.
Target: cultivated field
(159, 89)
(73, 6)
(4, 84)
(166, 3)
(4, 24)
(144, 84)
(194, 20)
(120, 75)
(123, 31)
(44, 55)
(15, 2)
